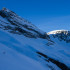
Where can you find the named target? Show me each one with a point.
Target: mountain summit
(23, 46)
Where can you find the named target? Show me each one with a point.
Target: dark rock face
(63, 37)
(48, 59)
(18, 25)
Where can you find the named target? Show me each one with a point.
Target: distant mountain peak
(62, 35)
(58, 32)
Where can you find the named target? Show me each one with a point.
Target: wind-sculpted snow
(13, 60)
(29, 48)
(25, 47)
(15, 55)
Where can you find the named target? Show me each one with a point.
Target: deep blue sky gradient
(46, 14)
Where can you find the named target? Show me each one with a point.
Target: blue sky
(45, 14)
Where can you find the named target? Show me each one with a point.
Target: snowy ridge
(58, 32)
(20, 25)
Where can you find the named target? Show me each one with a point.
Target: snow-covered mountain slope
(25, 47)
(13, 55)
(16, 24)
